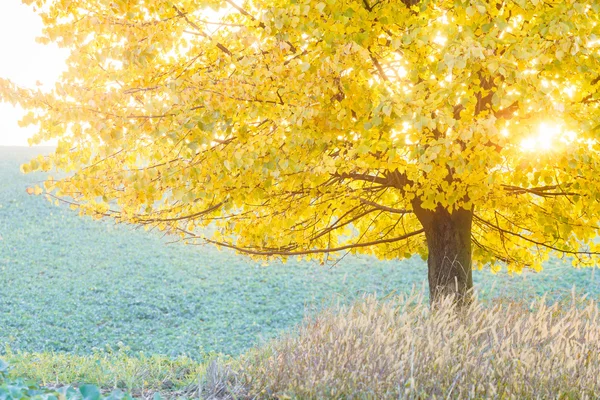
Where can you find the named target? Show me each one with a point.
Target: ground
(73, 284)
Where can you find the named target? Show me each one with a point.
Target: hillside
(74, 284)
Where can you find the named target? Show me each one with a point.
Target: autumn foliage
(464, 131)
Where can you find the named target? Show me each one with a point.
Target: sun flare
(550, 136)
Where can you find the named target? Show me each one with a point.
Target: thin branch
(221, 23)
(361, 177)
(489, 250)
(542, 191)
(200, 31)
(314, 251)
(244, 12)
(385, 208)
(261, 25)
(378, 66)
(195, 215)
(338, 224)
(551, 247)
(394, 179)
(134, 116)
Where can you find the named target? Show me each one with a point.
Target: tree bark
(448, 238)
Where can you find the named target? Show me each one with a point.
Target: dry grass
(375, 350)
(219, 382)
(399, 349)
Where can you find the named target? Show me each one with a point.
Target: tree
(463, 131)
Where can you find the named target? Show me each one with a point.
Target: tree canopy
(301, 127)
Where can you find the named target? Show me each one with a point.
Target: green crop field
(75, 285)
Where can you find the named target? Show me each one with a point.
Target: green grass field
(75, 285)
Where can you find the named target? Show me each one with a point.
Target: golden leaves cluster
(282, 123)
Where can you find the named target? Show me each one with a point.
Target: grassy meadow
(72, 287)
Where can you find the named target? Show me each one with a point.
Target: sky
(23, 61)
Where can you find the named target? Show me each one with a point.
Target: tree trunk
(448, 238)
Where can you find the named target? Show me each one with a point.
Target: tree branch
(261, 25)
(549, 246)
(508, 112)
(274, 252)
(385, 208)
(362, 177)
(200, 31)
(195, 215)
(378, 66)
(394, 179)
(490, 250)
(542, 191)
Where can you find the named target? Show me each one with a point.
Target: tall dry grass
(400, 349)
